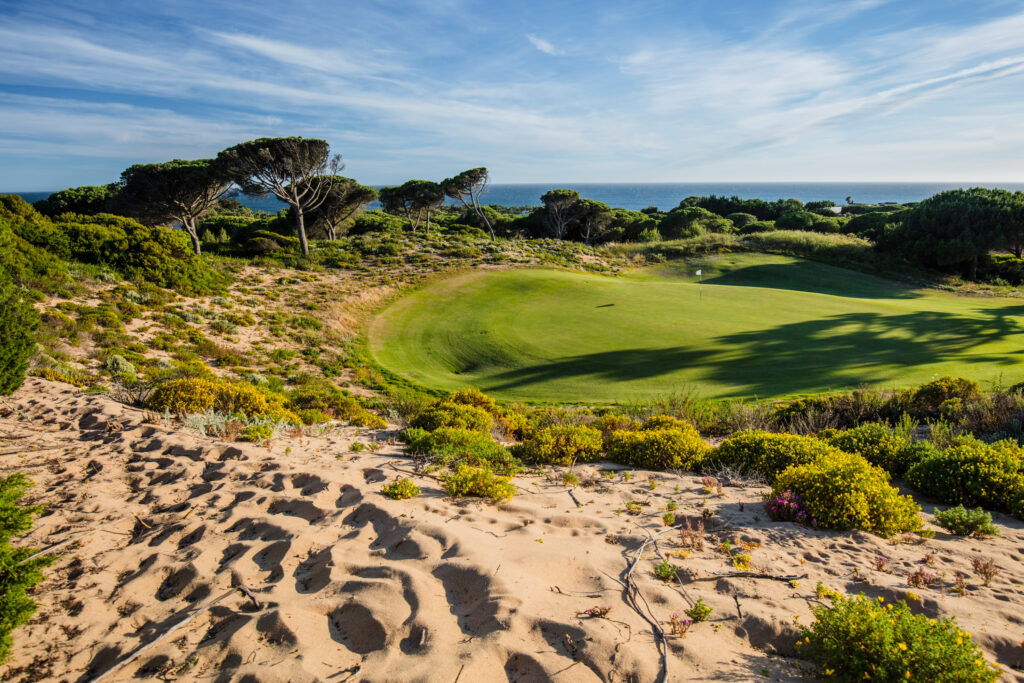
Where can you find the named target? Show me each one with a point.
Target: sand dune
(352, 586)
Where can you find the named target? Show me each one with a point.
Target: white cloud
(543, 45)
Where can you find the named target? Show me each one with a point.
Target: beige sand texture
(353, 586)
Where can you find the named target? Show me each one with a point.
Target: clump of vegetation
(257, 433)
(479, 482)
(858, 639)
(673, 447)
(965, 522)
(452, 414)
(699, 612)
(985, 568)
(769, 454)
(19, 321)
(197, 395)
(454, 446)
(18, 574)
(560, 445)
(400, 489)
(879, 444)
(974, 473)
(665, 571)
(844, 491)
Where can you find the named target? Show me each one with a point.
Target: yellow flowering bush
(448, 414)
(859, 639)
(669, 448)
(196, 395)
(183, 396)
(478, 481)
(769, 454)
(844, 491)
(879, 444)
(974, 473)
(560, 445)
(400, 489)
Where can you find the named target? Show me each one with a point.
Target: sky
(537, 91)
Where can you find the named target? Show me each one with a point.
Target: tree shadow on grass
(837, 352)
(817, 278)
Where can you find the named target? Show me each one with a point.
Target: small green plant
(665, 571)
(357, 446)
(965, 522)
(257, 433)
(570, 479)
(699, 612)
(668, 518)
(741, 562)
(400, 489)
(652, 484)
(859, 639)
(671, 505)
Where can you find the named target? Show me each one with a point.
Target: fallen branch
(56, 546)
(753, 575)
(573, 496)
(415, 474)
(633, 592)
(144, 648)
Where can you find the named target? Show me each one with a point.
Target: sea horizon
(667, 195)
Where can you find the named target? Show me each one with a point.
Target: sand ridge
(352, 586)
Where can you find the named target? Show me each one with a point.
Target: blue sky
(554, 91)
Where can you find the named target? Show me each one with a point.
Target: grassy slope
(766, 326)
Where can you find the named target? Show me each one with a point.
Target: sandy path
(356, 587)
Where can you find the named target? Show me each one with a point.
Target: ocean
(636, 196)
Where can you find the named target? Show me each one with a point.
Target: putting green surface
(760, 326)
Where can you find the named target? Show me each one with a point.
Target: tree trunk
(428, 223)
(974, 268)
(190, 228)
(485, 219)
(300, 225)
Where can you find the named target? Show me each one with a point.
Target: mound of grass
(761, 326)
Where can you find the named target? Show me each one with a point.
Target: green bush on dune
(18, 574)
(974, 473)
(879, 444)
(659, 448)
(18, 322)
(769, 454)
(844, 491)
(560, 445)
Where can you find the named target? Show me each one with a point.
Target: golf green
(759, 326)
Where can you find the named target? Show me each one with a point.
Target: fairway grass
(761, 326)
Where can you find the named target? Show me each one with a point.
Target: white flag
(699, 273)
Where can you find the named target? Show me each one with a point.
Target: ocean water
(636, 196)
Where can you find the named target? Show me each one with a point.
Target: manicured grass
(764, 326)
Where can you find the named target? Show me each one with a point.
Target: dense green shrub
(964, 522)
(18, 324)
(316, 398)
(879, 444)
(560, 445)
(844, 491)
(197, 395)
(974, 473)
(158, 255)
(18, 574)
(671, 448)
(448, 414)
(479, 482)
(928, 399)
(401, 489)
(859, 639)
(769, 454)
(24, 263)
(87, 200)
(452, 446)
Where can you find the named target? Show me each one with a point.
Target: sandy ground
(348, 585)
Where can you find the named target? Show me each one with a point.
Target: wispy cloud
(543, 45)
(402, 91)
